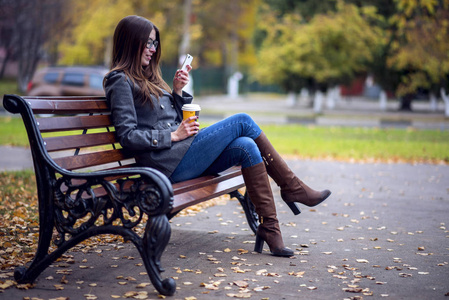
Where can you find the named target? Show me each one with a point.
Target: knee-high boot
(292, 188)
(259, 190)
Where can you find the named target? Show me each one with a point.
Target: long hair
(130, 39)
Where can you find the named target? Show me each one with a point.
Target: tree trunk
(383, 100)
(406, 102)
(5, 63)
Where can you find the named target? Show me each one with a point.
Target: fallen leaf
(261, 272)
(261, 288)
(239, 295)
(241, 283)
(353, 290)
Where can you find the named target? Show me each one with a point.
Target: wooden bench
(88, 185)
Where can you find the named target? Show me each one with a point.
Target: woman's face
(148, 52)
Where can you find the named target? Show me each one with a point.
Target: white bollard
(318, 102)
(446, 101)
(291, 98)
(433, 102)
(233, 84)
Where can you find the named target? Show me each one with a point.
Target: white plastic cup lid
(191, 107)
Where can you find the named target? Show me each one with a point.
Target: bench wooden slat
(195, 183)
(195, 196)
(68, 105)
(73, 123)
(79, 141)
(91, 159)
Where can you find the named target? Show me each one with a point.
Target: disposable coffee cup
(190, 110)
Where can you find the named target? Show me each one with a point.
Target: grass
(313, 142)
(12, 132)
(8, 86)
(361, 144)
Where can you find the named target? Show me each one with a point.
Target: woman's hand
(180, 80)
(187, 128)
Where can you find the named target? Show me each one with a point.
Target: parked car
(67, 81)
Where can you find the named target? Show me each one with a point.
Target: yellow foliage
(423, 50)
(95, 22)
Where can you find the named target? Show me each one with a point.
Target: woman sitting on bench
(147, 117)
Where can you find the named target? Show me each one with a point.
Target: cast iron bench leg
(156, 237)
(248, 207)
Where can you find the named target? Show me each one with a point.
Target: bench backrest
(78, 133)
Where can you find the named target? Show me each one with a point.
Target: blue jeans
(218, 147)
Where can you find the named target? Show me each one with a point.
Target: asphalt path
(382, 234)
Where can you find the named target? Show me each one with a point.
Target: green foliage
(421, 51)
(328, 50)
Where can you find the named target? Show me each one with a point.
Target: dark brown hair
(130, 39)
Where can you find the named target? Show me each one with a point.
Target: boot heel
(294, 207)
(258, 247)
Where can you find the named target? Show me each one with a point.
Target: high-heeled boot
(293, 190)
(259, 191)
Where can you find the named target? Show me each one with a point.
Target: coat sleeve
(186, 98)
(123, 112)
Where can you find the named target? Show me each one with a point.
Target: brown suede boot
(292, 188)
(259, 191)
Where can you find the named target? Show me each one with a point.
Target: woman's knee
(251, 153)
(244, 117)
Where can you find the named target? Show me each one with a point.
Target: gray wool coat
(144, 130)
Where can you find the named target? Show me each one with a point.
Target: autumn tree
(27, 26)
(331, 49)
(420, 52)
(227, 31)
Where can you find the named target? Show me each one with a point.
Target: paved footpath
(383, 233)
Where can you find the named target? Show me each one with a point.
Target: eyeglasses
(152, 43)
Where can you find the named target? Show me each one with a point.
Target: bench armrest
(146, 188)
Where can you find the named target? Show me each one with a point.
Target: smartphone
(187, 61)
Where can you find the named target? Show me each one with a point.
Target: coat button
(168, 124)
(154, 142)
(162, 106)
